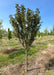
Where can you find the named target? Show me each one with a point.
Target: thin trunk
(26, 61)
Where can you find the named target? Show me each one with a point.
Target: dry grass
(41, 61)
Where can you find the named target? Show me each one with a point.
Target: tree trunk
(27, 48)
(26, 61)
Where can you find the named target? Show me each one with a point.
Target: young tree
(46, 32)
(0, 34)
(0, 29)
(4, 33)
(26, 24)
(0, 24)
(51, 32)
(38, 34)
(42, 34)
(9, 34)
(53, 28)
(14, 33)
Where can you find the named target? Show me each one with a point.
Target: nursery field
(12, 52)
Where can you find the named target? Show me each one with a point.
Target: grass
(5, 43)
(3, 60)
(51, 72)
(20, 55)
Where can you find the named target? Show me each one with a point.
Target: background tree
(38, 34)
(45, 32)
(53, 28)
(42, 34)
(0, 29)
(52, 31)
(26, 24)
(4, 33)
(14, 33)
(9, 34)
(0, 34)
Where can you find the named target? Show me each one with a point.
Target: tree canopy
(26, 24)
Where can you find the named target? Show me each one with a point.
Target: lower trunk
(26, 62)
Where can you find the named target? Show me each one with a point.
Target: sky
(46, 7)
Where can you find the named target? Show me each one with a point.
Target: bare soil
(40, 64)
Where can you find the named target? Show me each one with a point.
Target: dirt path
(42, 61)
(37, 66)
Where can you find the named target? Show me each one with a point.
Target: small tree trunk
(26, 61)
